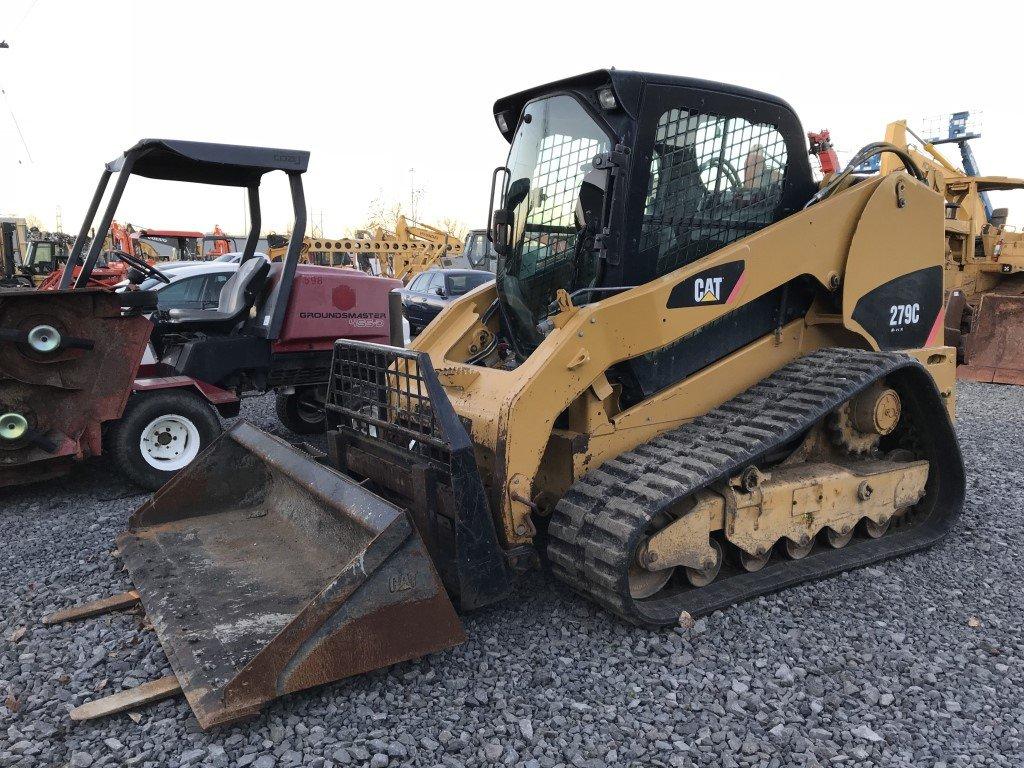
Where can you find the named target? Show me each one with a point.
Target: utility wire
(14, 119)
(25, 16)
(7, 101)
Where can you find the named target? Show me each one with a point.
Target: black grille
(714, 179)
(383, 393)
(282, 377)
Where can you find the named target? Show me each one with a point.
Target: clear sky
(376, 89)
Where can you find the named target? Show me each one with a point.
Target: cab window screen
(714, 179)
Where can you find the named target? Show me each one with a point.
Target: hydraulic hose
(862, 156)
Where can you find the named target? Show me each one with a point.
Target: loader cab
(44, 256)
(616, 178)
(478, 252)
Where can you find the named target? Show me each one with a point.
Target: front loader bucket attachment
(265, 572)
(994, 349)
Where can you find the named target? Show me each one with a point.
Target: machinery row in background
(32, 258)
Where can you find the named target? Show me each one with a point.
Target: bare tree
(454, 227)
(382, 214)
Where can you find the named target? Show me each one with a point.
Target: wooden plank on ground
(141, 695)
(95, 608)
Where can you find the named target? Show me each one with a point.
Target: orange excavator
(111, 268)
(221, 243)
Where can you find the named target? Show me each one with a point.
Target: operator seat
(236, 300)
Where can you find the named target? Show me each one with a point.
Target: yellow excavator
(401, 254)
(698, 378)
(984, 316)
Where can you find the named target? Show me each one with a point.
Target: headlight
(606, 98)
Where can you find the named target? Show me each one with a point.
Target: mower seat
(236, 299)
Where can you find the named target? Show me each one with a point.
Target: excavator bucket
(994, 349)
(265, 572)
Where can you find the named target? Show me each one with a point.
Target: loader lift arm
(984, 269)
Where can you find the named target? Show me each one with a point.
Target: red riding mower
(72, 380)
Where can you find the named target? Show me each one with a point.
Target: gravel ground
(916, 662)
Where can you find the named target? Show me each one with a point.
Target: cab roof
(628, 87)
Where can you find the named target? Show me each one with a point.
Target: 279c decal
(904, 314)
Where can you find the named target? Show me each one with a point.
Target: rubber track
(599, 522)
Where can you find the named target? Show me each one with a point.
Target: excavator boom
(401, 254)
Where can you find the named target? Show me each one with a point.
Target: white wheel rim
(169, 442)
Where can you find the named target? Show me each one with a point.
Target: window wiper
(584, 240)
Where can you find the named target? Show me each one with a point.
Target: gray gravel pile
(916, 662)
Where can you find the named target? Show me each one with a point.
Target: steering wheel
(726, 168)
(143, 266)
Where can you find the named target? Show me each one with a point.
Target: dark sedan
(431, 291)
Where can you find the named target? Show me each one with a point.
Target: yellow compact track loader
(697, 379)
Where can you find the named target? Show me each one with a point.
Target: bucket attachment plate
(265, 572)
(994, 349)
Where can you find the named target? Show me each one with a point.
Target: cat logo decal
(717, 285)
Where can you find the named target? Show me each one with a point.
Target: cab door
(435, 299)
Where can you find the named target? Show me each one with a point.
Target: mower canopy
(199, 162)
(224, 165)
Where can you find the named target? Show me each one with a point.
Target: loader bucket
(994, 349)
(265, 572)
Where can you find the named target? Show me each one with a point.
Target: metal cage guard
(389, 420)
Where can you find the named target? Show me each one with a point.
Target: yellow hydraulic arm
(401, 254)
